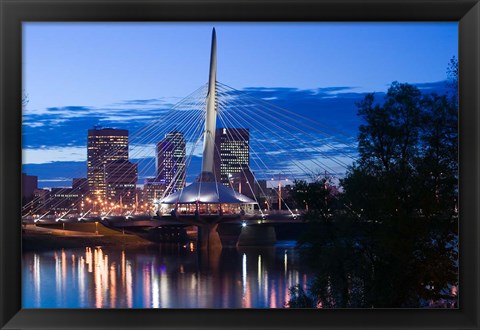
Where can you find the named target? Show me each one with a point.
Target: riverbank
(37, 238)
(48, 242)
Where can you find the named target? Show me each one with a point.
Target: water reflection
(168, 277)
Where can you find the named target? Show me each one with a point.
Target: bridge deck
(182, 219)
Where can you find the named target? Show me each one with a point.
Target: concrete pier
(208, 237)
(257, 235)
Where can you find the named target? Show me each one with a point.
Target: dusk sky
(125, 75)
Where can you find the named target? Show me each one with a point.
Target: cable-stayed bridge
(281, 147)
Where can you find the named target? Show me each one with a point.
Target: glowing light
(259, 270)
(244, 273)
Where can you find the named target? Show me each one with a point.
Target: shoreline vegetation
(389, 237)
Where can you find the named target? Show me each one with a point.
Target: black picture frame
(14, 12)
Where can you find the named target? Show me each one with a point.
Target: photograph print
(240, 165)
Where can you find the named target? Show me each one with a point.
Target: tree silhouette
(391, 237)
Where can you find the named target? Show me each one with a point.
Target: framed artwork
(239, 165)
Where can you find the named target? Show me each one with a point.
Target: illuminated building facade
(152, 190)
(104, 145)
(171, 158)
(232, 158)
(121, 181)
(64, 200)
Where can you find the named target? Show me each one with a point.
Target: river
(166, 276)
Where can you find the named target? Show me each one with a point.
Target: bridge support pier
(208, 237)
(257, 235)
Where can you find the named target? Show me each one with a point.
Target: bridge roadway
(148, 221)
(230, 230)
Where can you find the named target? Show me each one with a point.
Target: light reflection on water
(170, 276)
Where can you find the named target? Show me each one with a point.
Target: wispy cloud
(153, 102)
(139, 102)
(70, 108)
(334, 90)
(32, 124)
(44, 154)
(291, 130)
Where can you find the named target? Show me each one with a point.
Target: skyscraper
(171, 157)
(121, 181)
(104, 145)
(232, 158)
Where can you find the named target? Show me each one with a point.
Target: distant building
(104, 145)
(261, 188)
(153, 190)
(64, 199)
(121, 181)
(232, 158)
(29, 184)
(80, 184)
(171, 161)
(39, 200)
(262, 193)
(243, 182)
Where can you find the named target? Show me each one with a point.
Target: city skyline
(112, 180)
(355, 189)
(53, 154)
(108, 161)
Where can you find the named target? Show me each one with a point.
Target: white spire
(211, 118)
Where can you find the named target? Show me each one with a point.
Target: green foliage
(390, 239)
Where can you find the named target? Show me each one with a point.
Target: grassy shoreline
(36, 242)
(38, 238)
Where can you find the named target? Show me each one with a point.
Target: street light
(280, 191)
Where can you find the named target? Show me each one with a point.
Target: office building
(80, 184)
(62, 200)
(121, 181)
(104, 145)
(232, 158)
(171, 161)
(152, 190)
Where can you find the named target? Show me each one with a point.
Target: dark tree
(452, 73)
(390, 240)
(299, 298)
(317, 197)
(405, 184)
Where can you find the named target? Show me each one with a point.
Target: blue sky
(126, 74)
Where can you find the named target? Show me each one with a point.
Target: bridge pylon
(207, 199)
